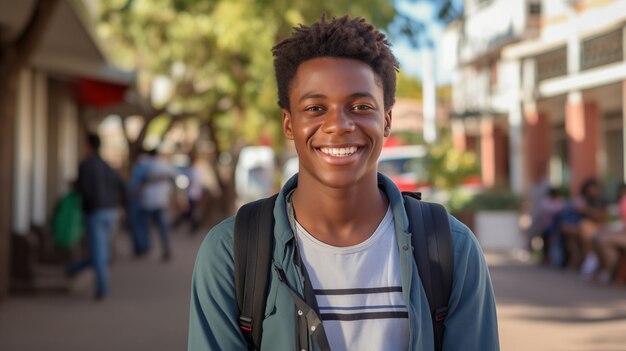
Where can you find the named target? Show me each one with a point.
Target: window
(534, 9)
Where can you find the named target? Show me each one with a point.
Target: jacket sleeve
(213, 320)
(472, 322)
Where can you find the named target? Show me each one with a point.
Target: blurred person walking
(194, 192)
(136, 223)
(155, 195)
(547, 211)
(101, 190)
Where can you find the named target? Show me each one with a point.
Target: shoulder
(460, 232)
(472, 320)
(464, 242)
(213, 273)
(217, 245)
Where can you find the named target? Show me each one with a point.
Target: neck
(340, 217)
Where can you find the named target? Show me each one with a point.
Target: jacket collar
(282, 229)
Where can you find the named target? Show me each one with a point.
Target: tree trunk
(223, 204)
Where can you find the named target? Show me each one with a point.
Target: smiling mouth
(339, 151)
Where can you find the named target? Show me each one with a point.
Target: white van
(254, 175)
(405, 166)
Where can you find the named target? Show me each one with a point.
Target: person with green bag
(67, 221)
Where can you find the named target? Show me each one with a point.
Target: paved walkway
(539, 309)
(147, 308)
(547, 309)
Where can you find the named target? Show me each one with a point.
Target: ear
(387, 123)
(287, 127)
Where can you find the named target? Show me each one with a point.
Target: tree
(408, 87)
(216, 57)
(15, 55)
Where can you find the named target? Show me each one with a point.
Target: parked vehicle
(405, 166)
(254, 175)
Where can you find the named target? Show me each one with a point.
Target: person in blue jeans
(155, 193)
(102, 190)
(136, 222)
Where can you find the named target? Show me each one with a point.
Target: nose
(338, 121)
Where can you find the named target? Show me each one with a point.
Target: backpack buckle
(245, 324)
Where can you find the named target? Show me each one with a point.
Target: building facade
(481, 82)
(67, 86)
(554, 91)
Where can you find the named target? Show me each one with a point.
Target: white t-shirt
(359, 290)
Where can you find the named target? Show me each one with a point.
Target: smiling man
(341, 244)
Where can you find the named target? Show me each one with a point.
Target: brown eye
(362, 107)
(314, 108)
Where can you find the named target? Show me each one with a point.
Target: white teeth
(339, 151)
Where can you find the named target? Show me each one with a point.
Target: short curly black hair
(342, 37)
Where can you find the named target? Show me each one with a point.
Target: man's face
(337, 121)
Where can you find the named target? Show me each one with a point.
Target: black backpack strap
(253, 242)
(432, 249)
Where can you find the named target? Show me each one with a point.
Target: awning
(99, 94)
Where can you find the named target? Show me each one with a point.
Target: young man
(338, 221)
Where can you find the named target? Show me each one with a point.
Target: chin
(336, 180)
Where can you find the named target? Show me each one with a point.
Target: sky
(411, 58)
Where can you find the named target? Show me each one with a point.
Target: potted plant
(496, 219)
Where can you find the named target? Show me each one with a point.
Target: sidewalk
(545, 309)
(539, 309)
(147, 309)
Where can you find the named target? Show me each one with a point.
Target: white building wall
(447, 53)
(512, 71)
(555, 15)
(40, 142)
(23, 155)
(485, 30)
(68, 144)
(472, 89)
(554, 8)
(488, 27)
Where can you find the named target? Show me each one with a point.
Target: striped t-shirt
(358, 290)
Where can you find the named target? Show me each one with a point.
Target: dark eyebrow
(322, 96)
(363, 94)
(312, 96)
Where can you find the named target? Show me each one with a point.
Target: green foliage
(409, 137)
(216, 54)
(408, 87)
(461, 200)
(458, 200)
(444, 94)
(494, 200)
(447, 167)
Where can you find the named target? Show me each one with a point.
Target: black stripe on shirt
(358, 291)
(362, 316)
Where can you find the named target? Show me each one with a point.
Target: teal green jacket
(213, 324)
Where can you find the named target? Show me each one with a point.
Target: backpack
(67, 221)
(253, 242)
